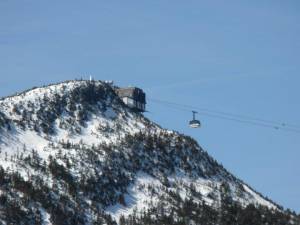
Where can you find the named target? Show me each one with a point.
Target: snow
(137, 197)
(257, 199)
(45, 216)
(13, 144)
(110, 113)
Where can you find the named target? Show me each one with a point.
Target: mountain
(74, 153)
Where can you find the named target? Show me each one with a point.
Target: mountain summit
(74, 153)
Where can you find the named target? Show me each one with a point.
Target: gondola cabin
(133, 97)
(194, 123)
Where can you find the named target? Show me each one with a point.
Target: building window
(130, 101)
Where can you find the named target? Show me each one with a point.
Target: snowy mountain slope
(74, 150)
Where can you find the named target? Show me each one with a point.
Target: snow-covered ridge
(117, 160)
(37, 94)
(58, 88)
(33, 100)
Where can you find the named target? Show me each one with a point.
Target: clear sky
(234, 56)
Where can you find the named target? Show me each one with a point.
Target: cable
(232, 117)
(252, 123)
(231, 114)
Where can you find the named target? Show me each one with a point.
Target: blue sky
(234, 56)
